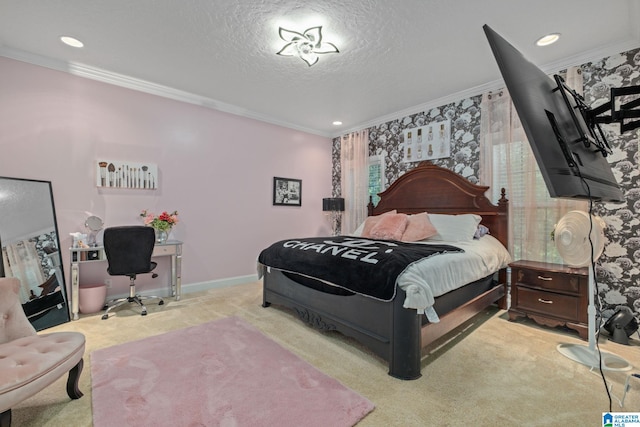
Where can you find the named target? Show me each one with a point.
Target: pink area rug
(222, 373)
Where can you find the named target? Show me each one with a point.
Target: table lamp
(334, 206)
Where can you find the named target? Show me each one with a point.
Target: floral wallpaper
(388, 139)
(618, 272)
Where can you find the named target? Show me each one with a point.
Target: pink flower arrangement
(162, 222)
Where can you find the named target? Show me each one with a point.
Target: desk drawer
(161, 250)
(548, 303)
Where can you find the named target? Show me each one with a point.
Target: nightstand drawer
(548, 280)
(548, 303)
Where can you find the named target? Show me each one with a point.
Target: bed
(397, 334)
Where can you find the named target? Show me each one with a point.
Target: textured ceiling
(395, 55)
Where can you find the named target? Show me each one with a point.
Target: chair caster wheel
(105, 316)
(161, 302)
(144, 313)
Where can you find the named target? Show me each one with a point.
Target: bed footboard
(389, 330)
(386, 328)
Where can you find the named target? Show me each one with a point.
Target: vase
(162, 235)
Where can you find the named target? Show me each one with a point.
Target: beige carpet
(494, 372)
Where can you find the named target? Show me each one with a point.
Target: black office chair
(128, 250)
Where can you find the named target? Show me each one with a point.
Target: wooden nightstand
(550, 294)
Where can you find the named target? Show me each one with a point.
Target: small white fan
(578, 248)
(572, 238)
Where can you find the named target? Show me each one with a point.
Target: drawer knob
(545, 301)
(548, 279)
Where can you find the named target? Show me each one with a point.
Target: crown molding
(121, 80)
(550, 68)
(144, 86)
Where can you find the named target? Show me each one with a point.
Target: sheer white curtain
(354, 155)
(506, 161)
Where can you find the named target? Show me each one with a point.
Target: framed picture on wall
(432, 141)
(287, 192)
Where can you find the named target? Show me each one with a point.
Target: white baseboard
(219, 283)
(196, 287)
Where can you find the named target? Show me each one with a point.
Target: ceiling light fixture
(71, 41)
(307, 46)
(548, 39)
(337, 123)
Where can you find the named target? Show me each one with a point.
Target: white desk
(79, 256)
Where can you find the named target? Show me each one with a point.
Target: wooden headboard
(433, 189)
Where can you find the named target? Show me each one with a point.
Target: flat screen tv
(569, 148)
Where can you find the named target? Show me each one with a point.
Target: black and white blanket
(365, 266)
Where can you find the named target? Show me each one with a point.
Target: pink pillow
(390, 227)
(371, 221)
(418, 228)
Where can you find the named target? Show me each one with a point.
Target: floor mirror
(31, 249)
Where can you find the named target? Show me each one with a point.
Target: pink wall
(215, 168)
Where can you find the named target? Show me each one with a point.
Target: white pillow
(455, 228)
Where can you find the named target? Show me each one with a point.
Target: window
(533, 212)
(376, 177)
(507, 162)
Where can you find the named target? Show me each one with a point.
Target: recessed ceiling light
(337, 123)
(71, 41)
(548, 39)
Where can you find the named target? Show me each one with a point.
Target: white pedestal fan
(572, 241)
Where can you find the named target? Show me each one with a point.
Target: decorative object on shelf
(79, 240)
(113, 174)
(307, 46)
(432, 141)
(334, 206)
(162, 223)
(94, 224)
(162, 235)
(579, 239)
(287, 192)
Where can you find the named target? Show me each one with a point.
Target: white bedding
(424, 280)
(431, 277)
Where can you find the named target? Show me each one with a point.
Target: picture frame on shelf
(287, 191)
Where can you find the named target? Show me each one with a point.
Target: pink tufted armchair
(29, 362)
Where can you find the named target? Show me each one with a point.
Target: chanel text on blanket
(356, 249)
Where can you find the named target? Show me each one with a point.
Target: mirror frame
(94, 224)
(48, 309)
